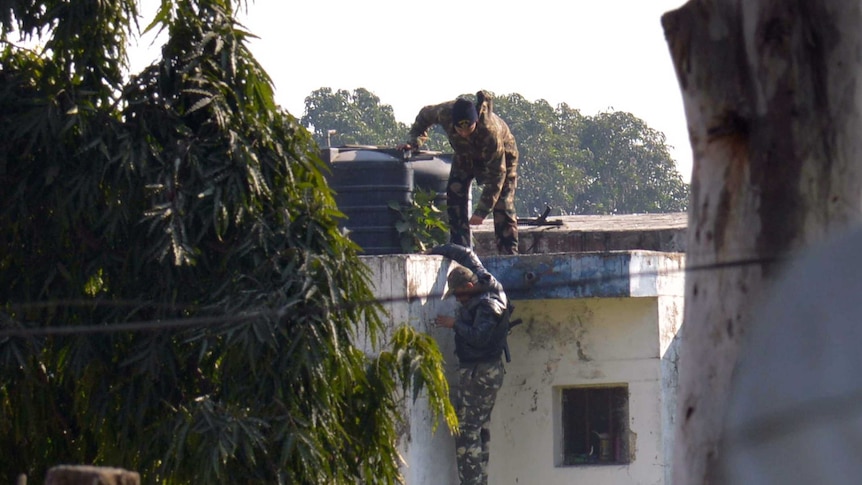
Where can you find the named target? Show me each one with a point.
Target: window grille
(595, 427)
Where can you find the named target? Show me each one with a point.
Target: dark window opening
(595, 425)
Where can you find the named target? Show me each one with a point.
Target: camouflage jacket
(490, 154)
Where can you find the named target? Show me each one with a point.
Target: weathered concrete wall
(590, 275)
(590, 319)
(671, 312)
(569, 343)
(411, 287)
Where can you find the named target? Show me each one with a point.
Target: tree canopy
(177, 298)
(628, 168)
(356, 118)
(610, 163)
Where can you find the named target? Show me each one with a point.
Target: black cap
(464, 113)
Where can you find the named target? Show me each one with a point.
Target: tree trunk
(770, 89)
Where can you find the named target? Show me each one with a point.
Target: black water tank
(431, 172)
(367, 178)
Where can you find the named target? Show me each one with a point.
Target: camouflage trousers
(474, 400)
(459, 212)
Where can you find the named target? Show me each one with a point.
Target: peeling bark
(771, 90)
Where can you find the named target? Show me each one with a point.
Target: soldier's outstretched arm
(462, 255)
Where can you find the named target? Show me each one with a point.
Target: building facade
(590, 393)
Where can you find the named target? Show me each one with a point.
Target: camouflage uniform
(490, 156)
(480, 334)
(474, 400)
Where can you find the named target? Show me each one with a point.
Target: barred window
(594, 425)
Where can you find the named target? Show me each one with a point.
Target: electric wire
(162, 324)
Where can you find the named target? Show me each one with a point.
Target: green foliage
(414, 363)
(550, 165)
(611, 163)
(421, 223)
(171, 246)
(630, 169)
(356, 118)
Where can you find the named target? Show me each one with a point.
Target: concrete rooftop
(576, 234)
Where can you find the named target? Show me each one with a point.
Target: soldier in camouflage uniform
(480, 336)
(485, 150)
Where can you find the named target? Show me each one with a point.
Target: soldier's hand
(444, 321)
(476, 220)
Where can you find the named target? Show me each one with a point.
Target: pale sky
(595, 56)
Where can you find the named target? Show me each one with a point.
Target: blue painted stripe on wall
(550, 276)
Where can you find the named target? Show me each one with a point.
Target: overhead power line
(152, 325)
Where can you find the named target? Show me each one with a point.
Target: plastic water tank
(366, 179)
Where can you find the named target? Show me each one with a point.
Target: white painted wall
(411, 287)
(568, 342)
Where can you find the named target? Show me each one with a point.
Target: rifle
(509, 325)
(542, 220)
